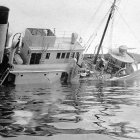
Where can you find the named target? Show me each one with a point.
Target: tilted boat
(118, 64)
(39, 56)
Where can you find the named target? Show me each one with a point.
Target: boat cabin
(42, 46)
(120, 61)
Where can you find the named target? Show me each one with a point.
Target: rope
(131, 31)
(92, 37)
(95, 13)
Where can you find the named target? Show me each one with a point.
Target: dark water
(89, 107)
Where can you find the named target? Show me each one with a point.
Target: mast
(106, 26)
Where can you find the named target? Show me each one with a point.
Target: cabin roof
(44, 39)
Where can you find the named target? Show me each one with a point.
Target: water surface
(89, 107)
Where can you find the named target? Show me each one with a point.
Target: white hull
(37, 77)
(43, 73)
(133, 76)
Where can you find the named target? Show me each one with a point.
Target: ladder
(4, 75)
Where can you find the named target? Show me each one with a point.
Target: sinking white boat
(119, 64)
(133, 76)
(40, 56)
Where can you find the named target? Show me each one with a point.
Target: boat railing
(69, 35)
(63, 33)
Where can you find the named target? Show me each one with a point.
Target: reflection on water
(110, 108)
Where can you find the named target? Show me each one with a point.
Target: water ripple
(108, 108)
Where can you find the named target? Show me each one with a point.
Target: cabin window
(58, 55)
(63, 55)
(68, 55)
(47, 55)
(73, 54)
(35, 58)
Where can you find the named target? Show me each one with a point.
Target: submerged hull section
(42, 78)
(48, 74)
(134, 76)
(29, 77)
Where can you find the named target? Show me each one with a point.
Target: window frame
(58, 55)
(47, 55)
(67, 55)
(63, 55)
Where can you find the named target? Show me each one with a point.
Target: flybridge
(45, 39)
(35, 37)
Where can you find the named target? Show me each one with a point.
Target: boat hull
(29, 77)
(48, 74)
(133, 76)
